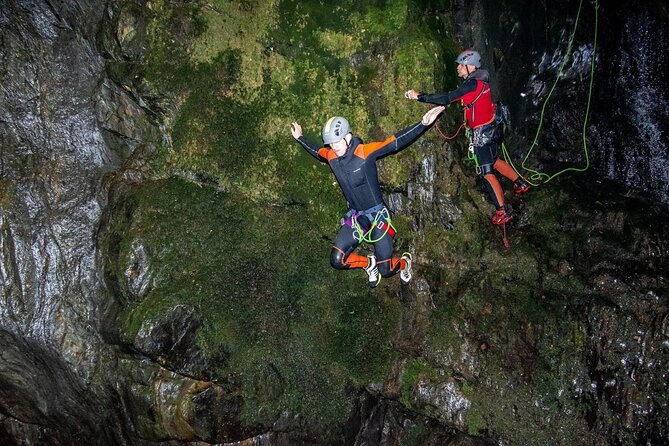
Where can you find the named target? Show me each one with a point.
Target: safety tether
(366, 236)
(537, 177)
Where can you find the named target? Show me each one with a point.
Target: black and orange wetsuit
(358, 178)
(476, 99)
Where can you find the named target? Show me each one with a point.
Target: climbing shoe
(501, 216)
(372, 271)
(520, 186)
(406, 272)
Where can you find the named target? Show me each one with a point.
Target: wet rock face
(53, 157)
(164, 404)
(443, 399)
(39, 389)
(637, 153)
(627, 357)
(619, 264)
(171, 341)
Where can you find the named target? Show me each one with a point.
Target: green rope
(367, 236)
(471, 155)
(539, 177)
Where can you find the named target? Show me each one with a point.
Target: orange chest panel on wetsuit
(356, 172)
(478, 105)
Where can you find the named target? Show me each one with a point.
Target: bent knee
(486, 169)
(337, 259)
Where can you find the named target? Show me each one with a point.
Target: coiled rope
(535, 178)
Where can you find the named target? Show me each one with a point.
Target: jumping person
(353, 164)
(485, 134)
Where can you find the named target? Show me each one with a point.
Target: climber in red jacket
(485, 133)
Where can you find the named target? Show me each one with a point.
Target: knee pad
(486, 169)
(337, 259)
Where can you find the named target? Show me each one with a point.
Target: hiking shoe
(501, 216)
(520, 186)
(406, 272)
(372, 272)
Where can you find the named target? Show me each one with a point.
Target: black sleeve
(409, 135)
(446, 98)
(400, 140)
(312, 148)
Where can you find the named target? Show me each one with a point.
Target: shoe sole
(374, 285)
(501, 222)
(410, 262)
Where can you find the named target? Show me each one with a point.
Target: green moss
(579, 336)
(441, 338)
(244, 71)
(171, 29)
(464, 245)
(569, 285)
(416, 368)
(475, 421)
(260, 279)
(250, 250)
(6, 193)
(415, 435)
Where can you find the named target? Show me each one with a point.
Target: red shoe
(520, 186)
(501, 216)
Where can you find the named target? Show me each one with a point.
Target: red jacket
(474, 96)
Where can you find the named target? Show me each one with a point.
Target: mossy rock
(274, 314)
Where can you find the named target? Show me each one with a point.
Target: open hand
(411, 94)
(296, 130)
(432, 115)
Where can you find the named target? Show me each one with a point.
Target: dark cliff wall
(58, 113)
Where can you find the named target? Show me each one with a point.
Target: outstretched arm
(408, 136)
(431, 115)
(443, 98)
(404, 138)
(313, 149)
